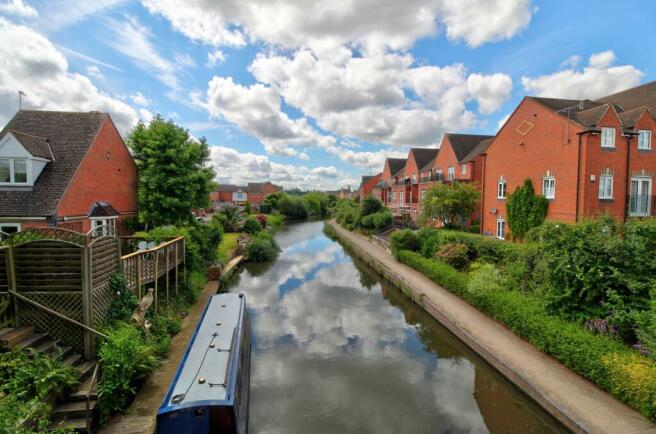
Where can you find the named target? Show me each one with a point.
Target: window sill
(606, 200)
(644, 151)
(609, 148)
(501, 198)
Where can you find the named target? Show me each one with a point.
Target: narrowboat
(209, 393)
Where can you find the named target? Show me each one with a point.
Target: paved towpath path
(140, 416)
(576, 402)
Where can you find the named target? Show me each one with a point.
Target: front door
(640, 199)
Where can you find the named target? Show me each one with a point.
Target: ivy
(526, 210)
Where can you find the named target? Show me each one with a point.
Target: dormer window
(608, 137)
(13, 171)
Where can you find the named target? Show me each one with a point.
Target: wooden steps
(71, 411)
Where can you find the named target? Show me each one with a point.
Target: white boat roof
(205, 371)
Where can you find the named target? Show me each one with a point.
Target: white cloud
(139, 99)
(82, 56)
(18, 8)
(502, 121)
(184, 60)
(132, 39)
(145, 115)
(95, 72)
(328, 24)
(364, 159)
(478, 22)
(237, 167)
(256, 110)
(32, 63)
(490, 91)
(368, 97)
(595, 80)
(215, 57)
(56, 15)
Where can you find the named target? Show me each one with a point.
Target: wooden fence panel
(105, 262)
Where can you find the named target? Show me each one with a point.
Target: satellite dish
(142, 245)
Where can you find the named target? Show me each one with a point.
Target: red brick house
(64, 169)
(254, 193)
(367, 185)
(257, 191)
(587, 157)
(392, 167)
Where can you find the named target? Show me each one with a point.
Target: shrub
(274, 221)
(14, 412)
(231, 217)
(525, 210)
(124, 301)
(646, 330)
(404, 239)
(125, 360)
(382, 219)
(221, 219)
(292, 207)
(486, 277)
(26, 376)
(252, 226)
(371, 205)
(262, 219)
(247, 208)
(454, 254)
(451, 203)
(262, 248)
(439, 272)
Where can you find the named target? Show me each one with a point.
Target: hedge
(603, 360)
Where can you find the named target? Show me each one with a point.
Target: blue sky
(316, 95)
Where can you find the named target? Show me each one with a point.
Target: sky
(315, 94)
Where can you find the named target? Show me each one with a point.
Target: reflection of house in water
(503, 407)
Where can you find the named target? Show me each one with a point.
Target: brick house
(459, 159)
(65, 169)
(254, 193)
(257, 191)
(587, 157)
(367, 185)
(392, 167)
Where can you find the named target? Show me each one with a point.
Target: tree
(371, 205)
(525, 210)
(450, 203)
(174, 172)
(247, 208)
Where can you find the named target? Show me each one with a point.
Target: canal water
(337, 349)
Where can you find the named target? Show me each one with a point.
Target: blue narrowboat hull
(210, 390)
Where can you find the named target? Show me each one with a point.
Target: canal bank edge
(574, 401)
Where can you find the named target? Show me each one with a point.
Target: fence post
(168, 272)
(177, 265)
(86, 300)
(138, 276)
(156, 276)
(184, 259)
(11, 281)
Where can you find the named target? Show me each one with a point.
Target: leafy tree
(371, 205)
(450, 203)
(247, 208)
(526, 210)
(174, 174)
(231, 219)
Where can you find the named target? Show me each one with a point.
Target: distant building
(367, 184)
(65, 169)
(253, 193)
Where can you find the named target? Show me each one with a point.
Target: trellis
(57, 280)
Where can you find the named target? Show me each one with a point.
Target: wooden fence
(58, 280)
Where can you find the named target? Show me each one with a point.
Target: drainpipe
(628, 136)
(480, 229)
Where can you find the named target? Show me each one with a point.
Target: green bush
(14, 411)
(526, 210)
(486, 277)
(26, 376)
(292, 207)
(382, 219)
(252, 226)
(124, 301)
(262, 248)
(438, 272)
(125, 361)
(404, 239)
(371, 205)
(586, 268)
(646, 330)
(274, 221)
(454, 254)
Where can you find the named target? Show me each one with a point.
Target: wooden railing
(149, 265)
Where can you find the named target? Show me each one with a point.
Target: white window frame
(502, 193)
(603, 187)
(648, 205)
(550, 191)
(103, 221)
(644, 139)
(12, 171)
(414, 178)
(394, 197)
(440, 174)
(501, 228)
(608, 133)
(463, 169)
(423, 195)
(451, 173)
(401, 197)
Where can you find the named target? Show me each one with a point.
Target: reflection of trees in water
(367, 276)
(503, 408)
(257, 270)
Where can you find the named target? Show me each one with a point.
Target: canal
(337, 349)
